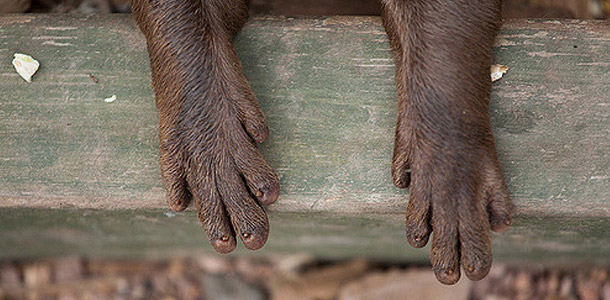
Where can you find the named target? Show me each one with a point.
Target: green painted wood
(33, 233)
(326, 87)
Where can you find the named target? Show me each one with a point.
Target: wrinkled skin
(444, 148)
(210, 123)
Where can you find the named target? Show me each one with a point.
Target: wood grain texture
(327, 89)
(35, 233)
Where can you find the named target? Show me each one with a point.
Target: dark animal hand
(444, 148)
(210, 120)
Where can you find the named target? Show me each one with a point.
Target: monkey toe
(417, 236)
(247, 216)
(252, 227)
(250, 222)
(448, 276)
(401, 169)
(224, 244)
(401, 175)
(475, 237)
(212, 214)
(445, 252)
(476, 255)
(251, 115)
(220, 234)
(477, 270)
(260, 178)
(418, 218)
(263, 184)
(255, 239)
(499, 210)
(177, 193)
(445, 262)
(500, 222)
(271, 192)
(499, 205)
(178, 197)
(401, 165)
(258, 131)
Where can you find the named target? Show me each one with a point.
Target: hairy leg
(444, 147)
(210, 120)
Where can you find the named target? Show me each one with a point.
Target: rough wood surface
(31, 233)
(326, 87)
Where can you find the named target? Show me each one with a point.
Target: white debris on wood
(25, 65)
(110, 99)
(497, 71)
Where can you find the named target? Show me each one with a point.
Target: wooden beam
(326, 87)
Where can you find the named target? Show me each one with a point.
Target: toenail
(507, 222)
(246, 235)
(470, 269)
(259, 193)
(418, 239)
(224, 238)
(449, 272)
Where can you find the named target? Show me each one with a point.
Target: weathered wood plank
(326, 86)
(31, 233)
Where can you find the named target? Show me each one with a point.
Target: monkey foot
(460, 205)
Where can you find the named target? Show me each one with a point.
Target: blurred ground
(289, 278)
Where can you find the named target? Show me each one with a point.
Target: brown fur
(444, 148)
(209, 118)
